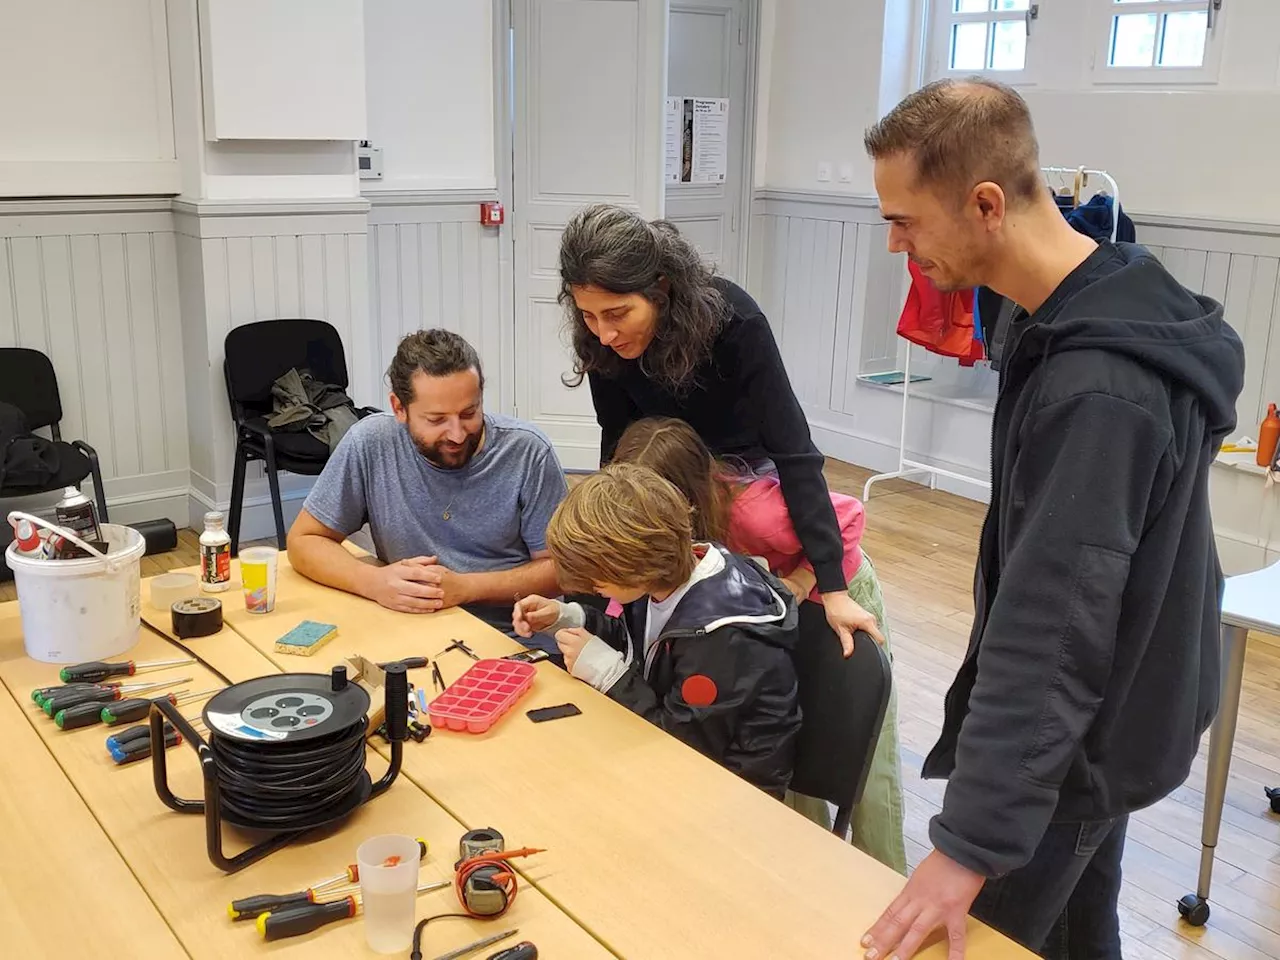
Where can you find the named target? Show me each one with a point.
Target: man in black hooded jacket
(1092, 668)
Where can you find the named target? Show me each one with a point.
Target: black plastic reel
(284, 712)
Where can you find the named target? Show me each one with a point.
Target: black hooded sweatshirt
(720, 675)
(1092, 669)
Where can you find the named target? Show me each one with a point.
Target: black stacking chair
(258, 354)
(27, 381)
(844, 703)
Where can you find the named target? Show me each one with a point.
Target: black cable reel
(285, 754)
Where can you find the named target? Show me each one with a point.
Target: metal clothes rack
(908, 467)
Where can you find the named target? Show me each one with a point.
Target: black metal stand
(397, 726)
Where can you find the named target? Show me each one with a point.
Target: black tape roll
(197, 617)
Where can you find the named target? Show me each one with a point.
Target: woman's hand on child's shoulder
(533, 614)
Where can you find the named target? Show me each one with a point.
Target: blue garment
(490, 515)
(1093, 219)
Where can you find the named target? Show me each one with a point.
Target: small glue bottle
(215, 554)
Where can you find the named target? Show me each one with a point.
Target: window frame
(941, 22)
(1206, 74)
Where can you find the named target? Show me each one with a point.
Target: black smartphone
(528, 656)
(552, 713)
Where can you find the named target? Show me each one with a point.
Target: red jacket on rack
(940, 322)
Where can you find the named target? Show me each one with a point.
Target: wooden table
(166, 852)
(651, 847)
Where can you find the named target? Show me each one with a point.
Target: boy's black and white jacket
(719, 675)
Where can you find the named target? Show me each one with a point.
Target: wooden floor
(924, 545)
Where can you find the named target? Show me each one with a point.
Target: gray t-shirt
(498, 505)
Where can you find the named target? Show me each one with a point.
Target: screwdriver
(293, 921)
(39, 693)
(138, 708)
(96, 670)
(141, 749)
(248, 908)
(142, 732)
(410, 663)
(103, 694)
(478, 945)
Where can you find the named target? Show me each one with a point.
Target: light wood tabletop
(57, 864)
(166, 851)
(656, 850)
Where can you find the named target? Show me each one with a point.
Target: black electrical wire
(190, 653)
(277, 785)
(422, 925)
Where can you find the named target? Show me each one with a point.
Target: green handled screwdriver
(102, 694)
(96, 670)
(39, 693)
(248, 908)
(139, 708)
(84, 713)
(294, 921)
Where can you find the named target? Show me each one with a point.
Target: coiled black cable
(277, 785)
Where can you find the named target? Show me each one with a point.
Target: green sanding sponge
(306, 638)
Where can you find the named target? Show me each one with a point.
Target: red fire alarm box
(491, 214)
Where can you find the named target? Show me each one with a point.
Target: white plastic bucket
(78, 610)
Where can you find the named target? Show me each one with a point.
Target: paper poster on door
(673, 126)
(697, 140)
(710, 140)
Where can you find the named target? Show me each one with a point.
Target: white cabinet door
(588, 84)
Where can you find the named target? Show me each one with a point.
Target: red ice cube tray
(481, 695)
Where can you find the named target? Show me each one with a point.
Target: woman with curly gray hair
(655, 333)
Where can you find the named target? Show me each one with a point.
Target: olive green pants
(877, 820)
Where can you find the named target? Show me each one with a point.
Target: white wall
(430, 75)
(89, 113)
(1194, 151)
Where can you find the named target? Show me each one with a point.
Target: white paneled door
(587, 126)
(707, 58)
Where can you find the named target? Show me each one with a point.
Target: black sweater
(1092, 669)
(741, 404)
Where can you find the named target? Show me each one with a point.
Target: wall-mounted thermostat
(369, 161)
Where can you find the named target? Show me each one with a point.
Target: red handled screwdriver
(138, 708)
(96, 670)
(84, 713)
(248, 908)
(103, 694)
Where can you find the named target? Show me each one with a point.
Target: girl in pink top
(747, 513)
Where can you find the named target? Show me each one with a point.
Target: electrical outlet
(846, 172)
(824, 172)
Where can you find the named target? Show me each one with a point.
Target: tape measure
(476, 842)
(196, 617)
(484, 880)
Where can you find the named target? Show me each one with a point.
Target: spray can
(29, 544)
(215, 554)
(75, 511)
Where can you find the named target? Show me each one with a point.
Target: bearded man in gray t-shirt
(457, 501)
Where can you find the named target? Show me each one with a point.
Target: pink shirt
(760, 526)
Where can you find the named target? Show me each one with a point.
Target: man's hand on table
(414, 585)
(938, 896)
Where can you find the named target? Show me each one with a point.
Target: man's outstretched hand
(938, 896)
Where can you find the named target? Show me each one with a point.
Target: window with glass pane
(987, 35)
(1159, 33)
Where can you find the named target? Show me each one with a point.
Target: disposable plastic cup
(389, 891)
(258, 574)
